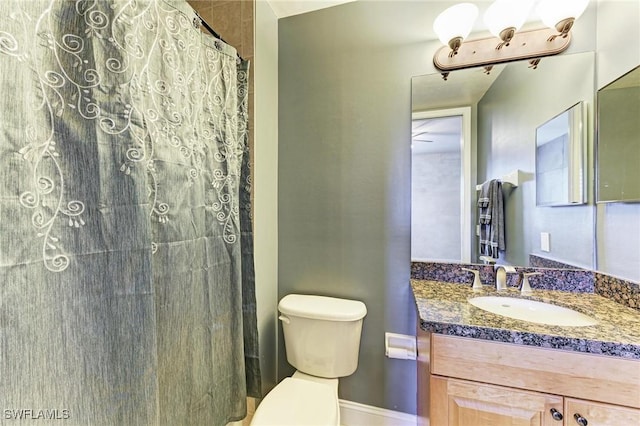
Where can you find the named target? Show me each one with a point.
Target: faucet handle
(526, 288)
(477, 284)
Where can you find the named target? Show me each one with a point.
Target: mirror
(618, 147)
(560, 159)
(507, 106)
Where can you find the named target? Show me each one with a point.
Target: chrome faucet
(501, 276)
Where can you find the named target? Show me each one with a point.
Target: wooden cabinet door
(598, 414)
(461, 403)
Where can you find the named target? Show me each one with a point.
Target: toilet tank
(322, 334)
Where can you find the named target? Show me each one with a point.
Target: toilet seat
(295, 402)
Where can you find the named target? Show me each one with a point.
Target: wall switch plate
(544, 242)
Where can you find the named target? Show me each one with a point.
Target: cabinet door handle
(580, 420)
(557, 415)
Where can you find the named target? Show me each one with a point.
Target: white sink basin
(532, 311)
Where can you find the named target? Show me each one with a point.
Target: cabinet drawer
(600, 414)
(599, 378)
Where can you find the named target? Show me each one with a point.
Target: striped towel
(491, 220)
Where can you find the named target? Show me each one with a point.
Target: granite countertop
(443, 309)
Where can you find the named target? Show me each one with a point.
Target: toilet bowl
(298, 401)
(322, 340)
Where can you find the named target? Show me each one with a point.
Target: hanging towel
(485, 190)
(484, 200)
(491, 220)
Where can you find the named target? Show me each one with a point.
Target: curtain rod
(213, 32)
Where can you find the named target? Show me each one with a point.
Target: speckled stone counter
(443, 309)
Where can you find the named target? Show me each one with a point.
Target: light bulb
(455, 23)
(505, 17)
(557, 14)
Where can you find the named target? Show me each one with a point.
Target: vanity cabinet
(478, 382)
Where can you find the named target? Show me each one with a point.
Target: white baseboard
(356, 414)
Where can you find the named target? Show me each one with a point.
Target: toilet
(322, 341)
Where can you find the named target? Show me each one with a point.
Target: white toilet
(322, 340)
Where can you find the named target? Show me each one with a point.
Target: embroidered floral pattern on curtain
(127, 292)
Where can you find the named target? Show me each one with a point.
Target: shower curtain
(126, 272)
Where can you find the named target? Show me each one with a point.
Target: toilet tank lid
(322, 307)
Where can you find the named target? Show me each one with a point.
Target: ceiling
(284, 8)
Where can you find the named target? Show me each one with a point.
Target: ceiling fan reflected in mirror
(421, 137)
(436, 135)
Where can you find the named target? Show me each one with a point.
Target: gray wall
(344, 176)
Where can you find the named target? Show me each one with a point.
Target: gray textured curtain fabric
(126, 272)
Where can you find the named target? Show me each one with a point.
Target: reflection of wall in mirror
(508, 116)
(552, 186)
(619, 144)
(618, 234)
(435, 206)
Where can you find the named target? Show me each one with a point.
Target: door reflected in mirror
(435, 187)
(440, 194)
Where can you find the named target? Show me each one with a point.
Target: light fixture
(454, 25)
(504, 18)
